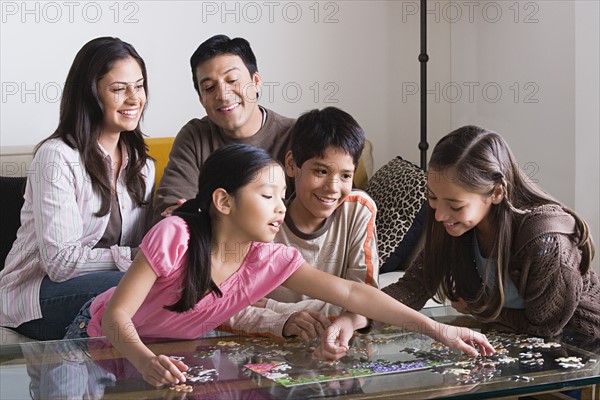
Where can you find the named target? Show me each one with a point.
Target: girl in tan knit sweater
(497, 246)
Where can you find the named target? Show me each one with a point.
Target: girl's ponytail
(197, 278)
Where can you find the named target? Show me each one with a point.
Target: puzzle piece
(182, 388)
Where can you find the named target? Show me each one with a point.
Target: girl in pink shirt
(214, 257)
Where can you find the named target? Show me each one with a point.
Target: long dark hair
(482, 160)
(81, 115)
(231, 168)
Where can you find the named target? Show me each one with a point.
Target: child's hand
(307, 325)
(464, 339)
(334, 342)
(162, 370)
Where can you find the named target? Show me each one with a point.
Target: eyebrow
(224, 73)
(445, 198)
(125, 83)
(328, 165)
(270, 185)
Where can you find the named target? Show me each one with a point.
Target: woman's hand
(162, 370)
(464, 339)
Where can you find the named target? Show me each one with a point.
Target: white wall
(587, 115)
(525, 94)
(358, 55)
(534, 70)
(309, 55)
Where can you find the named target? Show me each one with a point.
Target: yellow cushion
(360, 175)
(159, 149)
(364, 171)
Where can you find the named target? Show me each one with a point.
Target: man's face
(229, 95)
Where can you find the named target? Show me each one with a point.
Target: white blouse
(59, 229)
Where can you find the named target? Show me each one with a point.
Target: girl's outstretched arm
(119, 329)
(372, 303)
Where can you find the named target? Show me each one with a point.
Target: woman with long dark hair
(87, 198)
(499, 247)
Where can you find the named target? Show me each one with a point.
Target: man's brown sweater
(198, 139)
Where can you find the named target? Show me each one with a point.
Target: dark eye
(456, 208)
(266, 196)
(118, 89)
(208, 89)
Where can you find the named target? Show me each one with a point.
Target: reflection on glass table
(386, 363)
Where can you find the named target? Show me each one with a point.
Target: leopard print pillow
(398, 188)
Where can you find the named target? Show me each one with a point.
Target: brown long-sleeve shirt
(198, 139)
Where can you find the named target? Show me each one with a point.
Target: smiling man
(226, 78)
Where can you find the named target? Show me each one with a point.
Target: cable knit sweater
(545, 269)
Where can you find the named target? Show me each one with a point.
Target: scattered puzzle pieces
(230, 343)
(569, 362)
(182, 388)
(290, 363)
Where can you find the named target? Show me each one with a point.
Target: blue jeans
(78, 328)
(61, 301)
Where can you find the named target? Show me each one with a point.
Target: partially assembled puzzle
(290, 363)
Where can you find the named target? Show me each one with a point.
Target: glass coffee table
(385, 364)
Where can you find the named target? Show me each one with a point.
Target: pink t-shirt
(266, 266)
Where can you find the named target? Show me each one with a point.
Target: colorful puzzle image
(518, 358)
(369, 356)
(290, 363)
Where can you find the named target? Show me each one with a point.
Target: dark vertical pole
(423, 58)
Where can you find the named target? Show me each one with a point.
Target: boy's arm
(314, 306)
(257, 321)
(362, 256)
